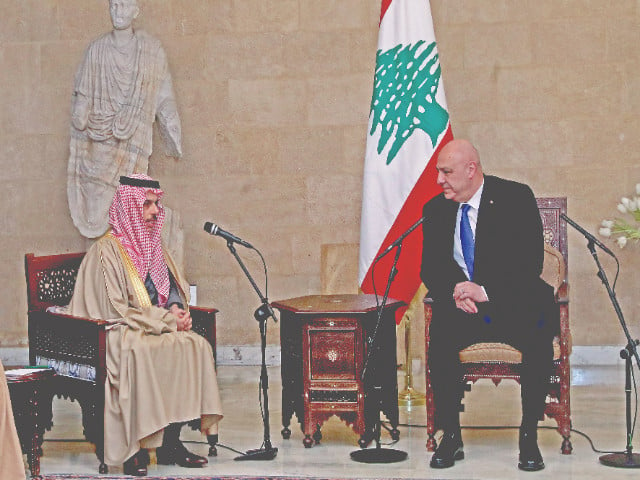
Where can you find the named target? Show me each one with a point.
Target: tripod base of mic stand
(621, 460)
(259, 454)
(378, 455)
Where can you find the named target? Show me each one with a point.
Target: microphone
(400, 239)
(589, 236)
(214, 229)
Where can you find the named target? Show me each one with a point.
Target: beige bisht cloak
(155, 374)
(11, 464)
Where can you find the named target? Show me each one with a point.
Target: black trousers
(452, 330)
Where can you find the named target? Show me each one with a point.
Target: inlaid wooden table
(31, 397)
(325, 346)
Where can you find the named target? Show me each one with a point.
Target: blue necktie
(466, 239)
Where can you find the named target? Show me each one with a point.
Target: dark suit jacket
(509, 251)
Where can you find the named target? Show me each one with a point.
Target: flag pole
(409, 397)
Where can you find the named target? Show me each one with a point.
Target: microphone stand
(263, 312)
(379, 455)
(627, 459)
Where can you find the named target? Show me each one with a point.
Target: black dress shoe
(449, 450)
(137, 464)
(179, 455)
(530, 458)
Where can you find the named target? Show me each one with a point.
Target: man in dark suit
(484, 276)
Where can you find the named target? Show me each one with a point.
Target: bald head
(459, 170)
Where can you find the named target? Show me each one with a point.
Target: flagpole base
(410, 397)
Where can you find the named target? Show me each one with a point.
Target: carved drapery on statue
(120, 90)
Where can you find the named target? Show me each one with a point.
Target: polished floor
(598, 404)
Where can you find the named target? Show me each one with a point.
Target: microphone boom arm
(400, 239)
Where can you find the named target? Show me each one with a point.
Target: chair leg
(431, 426)
(563, 415)
(564, 427)
(563, 420)
(429, 401)
(431, 442)
(100, 454)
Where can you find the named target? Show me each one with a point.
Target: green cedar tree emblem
(404, 95)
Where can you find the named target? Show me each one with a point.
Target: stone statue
(122, 87)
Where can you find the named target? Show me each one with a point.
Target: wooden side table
(31, 394)
(325, 340)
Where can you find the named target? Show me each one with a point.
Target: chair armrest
(68, 339)
(562, 295)
(427, 301)
(565, 338)
(202, 310)
(75, 320)
(204, 323)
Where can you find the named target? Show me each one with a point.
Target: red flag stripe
(385, 6)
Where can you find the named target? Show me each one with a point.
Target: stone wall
(274, 99)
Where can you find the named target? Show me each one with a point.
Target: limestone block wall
(274, 100)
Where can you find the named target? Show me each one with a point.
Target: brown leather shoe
(137, 464)
(179, 455)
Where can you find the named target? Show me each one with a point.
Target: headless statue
(122, 87)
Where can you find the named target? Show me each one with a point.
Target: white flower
(621, 241)
(625, 201)
(623, 230)
(607, 223)
(605, 232)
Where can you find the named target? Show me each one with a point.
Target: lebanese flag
(408, 125)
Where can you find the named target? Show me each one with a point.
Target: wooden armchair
(74, 346)
(497, 361)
